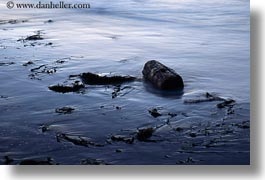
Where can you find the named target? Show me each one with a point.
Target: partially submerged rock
(34, 37)
(28, 63)
(64, 110)
(77, 140)
(154, 112)
(94, 79)
(145, 134)
(229, 102)
(122, 138)
(161, 76)
(75, 87)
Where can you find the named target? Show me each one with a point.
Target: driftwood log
(161, 76)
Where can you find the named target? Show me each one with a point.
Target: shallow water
(206, 42)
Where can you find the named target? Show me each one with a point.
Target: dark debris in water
(94, 79)
(13, 21)
(3, 97)
(121, 91)
(226, 103)
(145, 134)
(64, 110)
(34, 37)
(48, 21)
(123, 138)
(44, 128)
(28, 63)
(77, 140)
(74, 87)
(154, 112)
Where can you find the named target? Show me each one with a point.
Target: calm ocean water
(206, 42)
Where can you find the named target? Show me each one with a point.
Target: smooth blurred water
(206, 42)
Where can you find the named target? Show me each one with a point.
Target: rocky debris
(77, 140)
(126, 139)
(144, 134)
(64, 110)
(161, 76)
(74, 87)
(48, 161)
(226, 103)
(34, 37)
(90, 161)
(94, 79)
(154, 112)
(207, 98)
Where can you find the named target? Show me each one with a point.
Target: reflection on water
(206, 42)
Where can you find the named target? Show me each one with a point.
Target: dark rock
(94, 79)
(4, 97)
(44, 128)
(34, 37)
(75, 87)
(48, 44)
(27, 63)
(179, 129)
(77, 140)
(226, 103)
(64, 110)
(144, 134)
(193, 134)
(154, 112)
(49, 21)
(119, 151)
(126, 139)
(161, 76)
